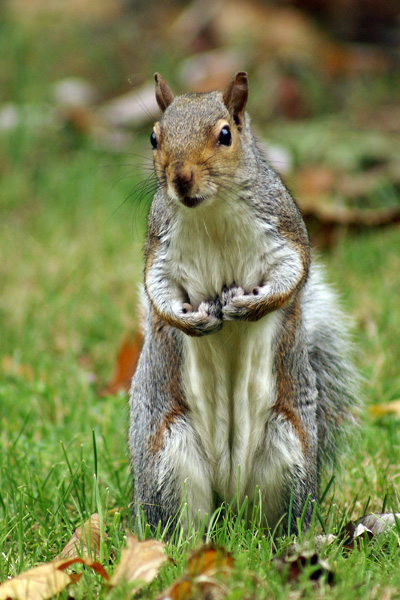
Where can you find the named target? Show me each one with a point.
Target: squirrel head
(197, 144)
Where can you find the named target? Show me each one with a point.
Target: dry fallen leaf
(294, 565)
(354, 535)
(125, 366)
(208, 560)
(85, 540)
(379, 522)
(140, 561)
(36, 584)
(96, 566)
(330, 198)
(367, 527)
(44, 581)
(200, 577)
(380, 410)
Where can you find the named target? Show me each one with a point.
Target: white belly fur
(229, 387)
(228, 377)
(235, 445)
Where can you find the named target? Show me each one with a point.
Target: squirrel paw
(205, 320)
(236, 304)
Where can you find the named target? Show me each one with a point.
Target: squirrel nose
(183, 181)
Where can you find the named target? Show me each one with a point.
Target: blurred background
(76, 109)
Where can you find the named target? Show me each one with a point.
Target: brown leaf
(355, 535)
(210, 70)
(208, 560)
(379, 522)
(85, 540)
(200, 577)
(78, 119)
(338, 214)
(44, 581)
(349, 59)
(209, 588)
(314, 182)
(368, 526)
(379, 410)
(36, 584)
(96, 566)
(324, 193)
(140, 561)
(125, 366)
(181, 589)
(295, 565)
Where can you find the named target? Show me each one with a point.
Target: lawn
(71, 232)
(72, 224)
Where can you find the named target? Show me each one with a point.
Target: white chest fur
(228, 377)
(215, 245)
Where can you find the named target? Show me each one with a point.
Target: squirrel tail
(337, 379)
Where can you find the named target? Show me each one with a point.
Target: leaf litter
(46, 580)
(206, 569)
(362, 531)
(202, 577)
(125, 365)
(139, 562)
(85, 540)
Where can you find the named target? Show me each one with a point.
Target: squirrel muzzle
(183, 182)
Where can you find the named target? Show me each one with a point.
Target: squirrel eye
(225, 137)
(153, 140)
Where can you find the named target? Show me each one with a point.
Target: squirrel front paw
(203, 321)
(237, 304)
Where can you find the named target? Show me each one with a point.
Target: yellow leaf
(200, 579)
(140, 561)
(379, 410)
(208, 559)
(45, 581)
(83, 539)
(36, 584)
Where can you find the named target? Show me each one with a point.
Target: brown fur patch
(172, 387)
(285, 397)
(259, 310)
(155, 441)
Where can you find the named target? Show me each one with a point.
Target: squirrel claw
(235, 304)
(186, 308)
(233, 313)
(207, 319)
(228, 294)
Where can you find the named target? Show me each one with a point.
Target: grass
(72, 224)
(71, 237)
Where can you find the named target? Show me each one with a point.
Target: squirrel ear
(235, 97)
(164, 96)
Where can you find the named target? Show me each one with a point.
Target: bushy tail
(330, 352)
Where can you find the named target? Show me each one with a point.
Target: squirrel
(244, 384)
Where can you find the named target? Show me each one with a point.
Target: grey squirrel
(244, 380)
